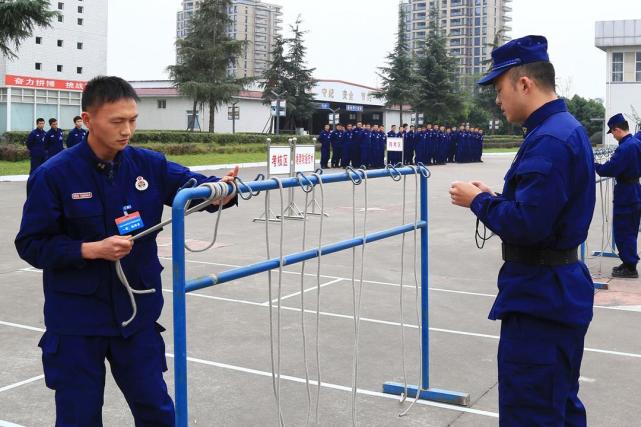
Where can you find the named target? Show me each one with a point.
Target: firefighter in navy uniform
(77, 134)
(336, 138)
(69, 230)
(625, 166)
(393, 157)
(36, 145)
(54, 141)
(324, 137)
(545, 293)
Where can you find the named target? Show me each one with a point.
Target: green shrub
(13, 152)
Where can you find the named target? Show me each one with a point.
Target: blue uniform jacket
(624, 164)
(54, 142)
(73, 199)
(336, 137)
(324, 136)
(76, 136)
(547, 202)
(36, 143)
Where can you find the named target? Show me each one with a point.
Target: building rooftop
(617, 33)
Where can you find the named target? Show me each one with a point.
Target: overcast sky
(349, 39)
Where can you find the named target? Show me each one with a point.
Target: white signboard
(394, 144)
(279, 160)
(283, 108)
(305, 158)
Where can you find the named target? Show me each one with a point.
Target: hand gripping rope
(219, 191)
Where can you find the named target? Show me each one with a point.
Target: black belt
(628, 180)
(531, 256)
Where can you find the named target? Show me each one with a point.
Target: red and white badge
(141, 184)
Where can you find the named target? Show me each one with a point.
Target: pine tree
(17, 21)
(399, 82)
(437, 94)
(287, 74)
(205, 57)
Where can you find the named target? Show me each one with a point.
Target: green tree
(18, 19)
(437, 95)
(586, 109)
(398, 78)
(206, 58)
(287, 74)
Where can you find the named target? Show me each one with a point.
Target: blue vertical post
(425, 340)
(180, 323)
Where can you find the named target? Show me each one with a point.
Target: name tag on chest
(128, 223)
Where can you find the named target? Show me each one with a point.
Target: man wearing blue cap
(625, 165)
(543, 214)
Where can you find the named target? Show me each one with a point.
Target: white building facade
(621, 41)
(53, 65)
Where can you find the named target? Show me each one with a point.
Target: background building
(621, 41)
(47, 78)
(470, 26)
(255, 22)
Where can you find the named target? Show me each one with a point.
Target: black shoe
(618, 268)
(626, 273)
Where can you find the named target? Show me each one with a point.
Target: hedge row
(172, 137)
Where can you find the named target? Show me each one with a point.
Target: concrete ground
(228, 335)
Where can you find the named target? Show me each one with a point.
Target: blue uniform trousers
(35, 162)
(74, 366)
(355, 155)
(325, 145)
(539, 363)
(337, 150)
(626, 230)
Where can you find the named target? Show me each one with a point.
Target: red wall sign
(42, 83)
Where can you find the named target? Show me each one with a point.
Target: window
(61, 18)
(38, 65)
(81, 9)
(617, 66)
(38, 40)
(60, 43)
(638, 66)
(79, 45)
(80, 21)
(59, 68)
(79, 70)
(61, 5)
(162, 103)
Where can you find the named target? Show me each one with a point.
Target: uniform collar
(625, 138)
(540, 115)
(101, 166)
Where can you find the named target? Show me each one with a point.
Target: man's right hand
(483, 187)
(112, 248)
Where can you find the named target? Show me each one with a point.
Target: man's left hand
(462, 193)
(229, 177)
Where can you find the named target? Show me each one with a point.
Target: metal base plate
(433, 394)
(605, 254)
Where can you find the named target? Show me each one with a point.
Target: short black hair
(542, 72)
(404, 124)
(52, 121)
(75, 119)
(624, 126)
(106, 89)
(40, 120)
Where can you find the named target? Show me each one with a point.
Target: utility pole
(233, 116)
(279, 97)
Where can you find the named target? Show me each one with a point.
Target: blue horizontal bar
(260, 267)
(601, 285)
(433, 394)
(605, 254)
(271, 184)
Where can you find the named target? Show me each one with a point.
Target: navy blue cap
(615, 120)
(514, 53)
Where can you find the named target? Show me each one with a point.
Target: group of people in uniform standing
(364, 145)
(43, 145)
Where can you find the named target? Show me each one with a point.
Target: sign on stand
(305, 158)
(394, 144)
(279, 160)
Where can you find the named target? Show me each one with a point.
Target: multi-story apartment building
(470, 27)
(47, 77)
(254, 22)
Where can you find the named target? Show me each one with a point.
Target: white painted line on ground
(8, 424)
(18, 384)
(275, 300)
(338, 387)
(16, 325)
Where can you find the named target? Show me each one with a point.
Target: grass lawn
(22, 167)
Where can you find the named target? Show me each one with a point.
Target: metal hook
(307, 187)
(318, 171)
(393, 172)
(425, 172)
(349, 170)
(240, 193)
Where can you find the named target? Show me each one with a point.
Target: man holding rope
(545, 293)
(82, 208)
